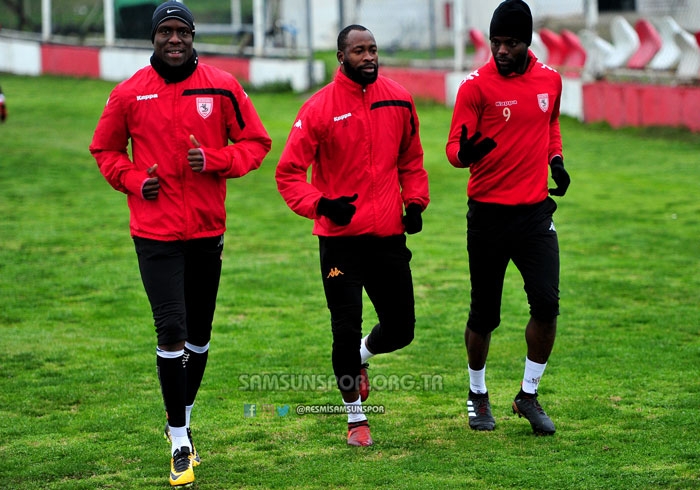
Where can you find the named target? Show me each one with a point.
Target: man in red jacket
(179, 116)
(513, 100)
(360, 136)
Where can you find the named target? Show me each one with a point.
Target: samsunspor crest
(205, 106)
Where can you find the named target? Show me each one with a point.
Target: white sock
(477, 380)
(365, 354)
(188, 414)
(354, 410)
(532, 376)
(179, 438)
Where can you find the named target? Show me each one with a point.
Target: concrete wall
(26, 57)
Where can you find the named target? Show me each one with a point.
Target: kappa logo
(471, 76)
(551, 227)
(298, 124)
(205, 106)
(335, 272)
(342, 118)
(147, 97)
(543, 101)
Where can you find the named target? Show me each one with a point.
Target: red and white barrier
(26, 57)
(619, 104)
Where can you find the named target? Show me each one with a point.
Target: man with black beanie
(513, 102)
(180, 116)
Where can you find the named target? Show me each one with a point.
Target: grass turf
(81, 408)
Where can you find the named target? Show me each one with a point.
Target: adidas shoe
(195, 455)
(526, 405)
(181, 472)
(358, 434)
(364, 382)
(479, 409)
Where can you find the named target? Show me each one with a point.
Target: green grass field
(81, 408)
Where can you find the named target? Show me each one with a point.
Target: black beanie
(171, 10)
(512, 18)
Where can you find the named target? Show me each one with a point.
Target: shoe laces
(481, 406)
(537, 406)
(532, 401)
(181, 459)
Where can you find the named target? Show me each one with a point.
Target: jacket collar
(175, 74)
(532, 61)
(344, 81)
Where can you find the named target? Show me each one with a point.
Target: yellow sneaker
(181, 472)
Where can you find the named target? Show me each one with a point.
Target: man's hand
(195, 155)
(470, 151)
(339, 210)
(560, 177)
(151, 186)
(413, 221)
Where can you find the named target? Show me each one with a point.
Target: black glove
(413, 222)
(338, 210)
(560, 177)
(470, 151)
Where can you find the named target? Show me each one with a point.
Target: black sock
(173, 379)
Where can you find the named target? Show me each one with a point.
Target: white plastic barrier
(20, 57)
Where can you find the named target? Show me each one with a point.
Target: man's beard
(517, 65)
(360, 76)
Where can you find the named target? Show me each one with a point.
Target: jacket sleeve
(466, 112)
(412, 174)
(109, 148)
(291, 173)
(251, 142)
(555, 143)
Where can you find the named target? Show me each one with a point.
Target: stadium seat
(649, 44)
(625, 42)
(689, 60)
(556, 48)
(482, 49)
(538, 47)
(598, 51)
(670, 54)
(574, 54)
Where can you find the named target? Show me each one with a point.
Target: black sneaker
(526, 405)
(479, 409)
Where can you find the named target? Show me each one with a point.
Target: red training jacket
(159, 118)
(357, 140)
(521, 114)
